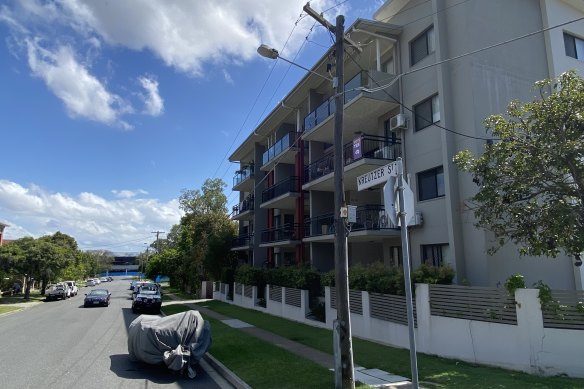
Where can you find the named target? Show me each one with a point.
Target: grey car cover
(179, 341)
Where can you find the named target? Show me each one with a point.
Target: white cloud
(82, 93)
(127, 194)
(89, 218)
(154, 105)
(188, 34)
(227, 76)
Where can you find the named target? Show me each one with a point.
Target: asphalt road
(61, 344)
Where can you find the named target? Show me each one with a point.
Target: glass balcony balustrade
(279, 147)
(328, 108)
(369, 218)
(242, 175)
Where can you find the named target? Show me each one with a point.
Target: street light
(271, 53)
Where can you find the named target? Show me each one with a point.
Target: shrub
(428, 274)
(513, 283)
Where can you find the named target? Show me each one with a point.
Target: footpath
(373, 377)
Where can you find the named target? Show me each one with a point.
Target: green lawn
(258, 363)
(433, 371)
(6, 309)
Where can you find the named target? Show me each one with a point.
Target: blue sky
(110, 109)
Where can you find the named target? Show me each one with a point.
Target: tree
(531, 180)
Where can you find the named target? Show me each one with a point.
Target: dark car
(134, 284)
(97, 297)
(148, 299)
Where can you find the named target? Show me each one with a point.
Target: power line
(255, 101)
(383, 87)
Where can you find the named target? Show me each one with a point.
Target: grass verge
(433, 371)
(6, 309)
(260, 364)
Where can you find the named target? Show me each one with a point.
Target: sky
(109, 109)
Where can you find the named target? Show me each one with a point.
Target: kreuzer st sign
(377, 176)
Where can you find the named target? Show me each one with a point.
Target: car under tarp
(179, 341)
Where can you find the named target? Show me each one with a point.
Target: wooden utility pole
(157, 234)
(343, 322)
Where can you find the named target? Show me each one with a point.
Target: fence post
(423, 317)
(530, 325)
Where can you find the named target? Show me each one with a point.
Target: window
(434, 254)
(427, 113)
(574, 46)
(388, 66)
(422, 46)
(431, 184)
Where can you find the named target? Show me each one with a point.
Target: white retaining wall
(527, 346)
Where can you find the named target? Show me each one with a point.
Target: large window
(422, 46)
(431, 184)
(574, 46)
(427, 113)
(434, 254)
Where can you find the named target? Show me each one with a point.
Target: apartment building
(427, 75)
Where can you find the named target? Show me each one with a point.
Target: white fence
(499, 337)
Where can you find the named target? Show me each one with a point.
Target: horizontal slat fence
(355, 300)
(473, 303)
(567, 315)
(293, 297)
(248, 291)
(237, 288)
(391, 308)
(276, 293)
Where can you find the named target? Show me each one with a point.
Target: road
(61, 344)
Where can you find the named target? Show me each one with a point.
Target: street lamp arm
(271, 53)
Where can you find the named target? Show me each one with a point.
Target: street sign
(408, 204)
(377, 176)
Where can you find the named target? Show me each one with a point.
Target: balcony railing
(288, 185)
(242, 175)
(327, 108)
(371, 146)
(319, 225)
(244, 240)
(245, 205)
(372, 217)
(279, 147)
(288, 231)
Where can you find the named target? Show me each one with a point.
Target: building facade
(427, 75)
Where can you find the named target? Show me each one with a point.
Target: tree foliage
(199, 246)
(531, 181)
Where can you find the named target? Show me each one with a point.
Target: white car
(104, 279)
(73, 287)
(90, 282)
(97, 281)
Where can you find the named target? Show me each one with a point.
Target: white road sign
(377, 176)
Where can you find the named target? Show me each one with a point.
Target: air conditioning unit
(398, 122)
(418, 219)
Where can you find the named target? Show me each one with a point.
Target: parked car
(110, 278)
(97, 297)
(104, 279)
(97, 281)
(90, 282)
(58, 291)
(73, 286)
(134, 284)
(148, 298)
(141, 285)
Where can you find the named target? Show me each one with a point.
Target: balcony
(282, 195)
(244, 210)
(242, 180)
(372, 222)
(319, 226)
(283, 151)
(286, 235)
(362, 109)
(359, 156)
(242, 242)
